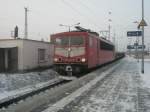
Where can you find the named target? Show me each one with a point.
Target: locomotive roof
(83, 33)
(70, 33)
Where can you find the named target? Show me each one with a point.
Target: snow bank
(146, 76)
(10, 82)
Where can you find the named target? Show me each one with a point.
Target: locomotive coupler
(69, 70)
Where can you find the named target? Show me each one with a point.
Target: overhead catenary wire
(87, 7)
(93, 13)
(94, 5)
(79, 13)
(70, 6)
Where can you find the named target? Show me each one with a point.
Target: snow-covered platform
(120, 89)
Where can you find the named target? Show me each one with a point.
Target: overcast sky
(44, 17)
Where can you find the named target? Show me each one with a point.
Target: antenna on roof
(26, 23)
(16, 32)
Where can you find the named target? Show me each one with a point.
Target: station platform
(121, 90)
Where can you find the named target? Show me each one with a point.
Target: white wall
(30, 54)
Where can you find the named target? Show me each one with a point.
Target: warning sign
(142, 23)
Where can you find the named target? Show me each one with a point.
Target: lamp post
(69, 26)
(109, 27)
(142, 69)
(148, 48)
(142, 24)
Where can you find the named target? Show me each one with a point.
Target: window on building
(106, 46)
(41, 55)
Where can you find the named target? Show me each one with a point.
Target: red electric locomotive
(80, 50)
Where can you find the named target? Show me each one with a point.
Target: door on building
(2, 62)
(8, 59)
(13, 59)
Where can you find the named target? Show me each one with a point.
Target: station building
(24, 54)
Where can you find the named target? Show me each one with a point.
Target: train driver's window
(58, 41)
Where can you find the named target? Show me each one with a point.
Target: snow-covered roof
(20, 39)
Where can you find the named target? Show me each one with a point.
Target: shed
(24, 54)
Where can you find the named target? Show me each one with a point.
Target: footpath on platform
(122, 90)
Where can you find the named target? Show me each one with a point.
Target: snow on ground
(62, 103)
(146, 75)
(13, 83)
(121, 91)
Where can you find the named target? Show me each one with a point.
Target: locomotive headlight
(69, 49)
(83, 59)
(55, 59)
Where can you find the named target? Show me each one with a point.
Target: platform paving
(121, 91)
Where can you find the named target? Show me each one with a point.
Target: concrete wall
(30, 54)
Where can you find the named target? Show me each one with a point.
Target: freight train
(80, 50)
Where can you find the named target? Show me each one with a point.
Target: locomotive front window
(65, 41)
(77, 41)
(62, 41)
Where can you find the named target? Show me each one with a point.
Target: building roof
(23, 40)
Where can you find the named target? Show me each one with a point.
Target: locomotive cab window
(62, 41)
(77, 41)
(65, 41)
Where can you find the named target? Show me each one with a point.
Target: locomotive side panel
(92, 52)
(99, 51)
(106, 52)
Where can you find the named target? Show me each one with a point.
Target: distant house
(24, 54)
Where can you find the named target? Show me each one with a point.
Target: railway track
(70, 98)
(15, 99)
